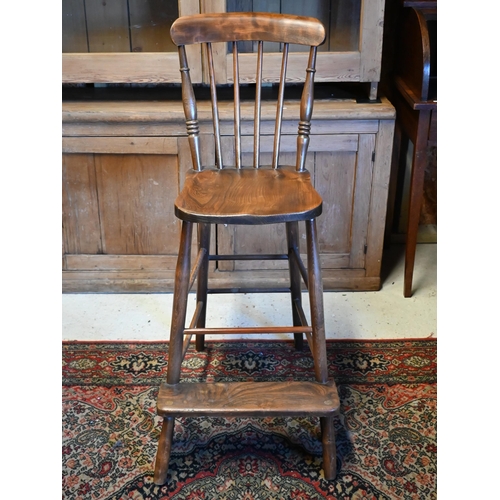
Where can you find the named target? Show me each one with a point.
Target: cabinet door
(342, 175)
(118, 211)
(351, 53)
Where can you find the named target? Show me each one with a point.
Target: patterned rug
(386, 433)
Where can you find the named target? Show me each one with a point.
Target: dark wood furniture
(415, 98)
(228, 193)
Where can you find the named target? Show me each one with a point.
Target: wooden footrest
(249, 399)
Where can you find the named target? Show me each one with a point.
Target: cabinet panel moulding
(119, 262)
(120, 145)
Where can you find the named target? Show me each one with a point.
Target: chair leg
(179, 307)
(175, 348)
(201, 291)
(292, 236)
(163, 453)
(329, 448)
(319, 343)
(316, 302)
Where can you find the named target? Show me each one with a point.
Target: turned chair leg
(292, 236)
(202, 284)
(181, 287)
(319, 343)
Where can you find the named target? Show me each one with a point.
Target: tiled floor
(385, 314)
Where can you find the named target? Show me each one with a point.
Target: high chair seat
(262, 195)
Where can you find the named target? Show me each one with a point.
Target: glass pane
(341, 19)
(118, 25)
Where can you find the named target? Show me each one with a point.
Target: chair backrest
(259, 27)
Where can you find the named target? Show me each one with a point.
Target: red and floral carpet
(386, 433)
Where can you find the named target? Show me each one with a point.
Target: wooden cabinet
(124, 163)
(125, 150)
(127, 41)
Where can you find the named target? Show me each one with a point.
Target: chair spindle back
(260, 27)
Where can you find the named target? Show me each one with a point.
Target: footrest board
(249, 399)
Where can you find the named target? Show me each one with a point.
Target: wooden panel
(341, 66)
(74, 30)
(372, 27)
(120, 145)
(150, 22)
(236, 239)
(120, 262)
(107, 26)
(340, 142)
(80, 214)
(259, 240)
(123, 68)
(319, 10)
(335, 175)
(378, 201)
(344, 25)
(136, 199)
(118, 113)
(106, 129)
(132, 67)
(162, 281)
(361, 202)
(219, 49)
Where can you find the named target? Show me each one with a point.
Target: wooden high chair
(219, 194)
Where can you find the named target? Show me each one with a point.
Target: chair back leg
(179, 307)
(202, 284)
(292, 236)
(163, 452)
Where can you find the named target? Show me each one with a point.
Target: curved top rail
(235, 26)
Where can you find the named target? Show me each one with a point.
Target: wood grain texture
(344, 25)
(361, 200)
(330, 67)
(107, 26)
(252, 399)
(334, 178)
(332, 113)
(120, 145)
(136, 194)
(372, 29)
(378, 199)
(227, 27)
(80, 211)
(74, 31)
(162, 280)
(150, 21)
(126, 67)
(247, 196)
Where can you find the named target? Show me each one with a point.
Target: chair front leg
(181, 289)
(175, 347)
(316, 302)
(319, 344)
